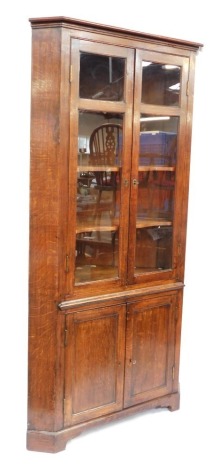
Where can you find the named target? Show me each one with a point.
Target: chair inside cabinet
(105, 158)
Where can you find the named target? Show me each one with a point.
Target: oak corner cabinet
(111, 114)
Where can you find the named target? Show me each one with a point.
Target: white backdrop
(157, 439)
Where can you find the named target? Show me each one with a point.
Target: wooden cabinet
(111, 121)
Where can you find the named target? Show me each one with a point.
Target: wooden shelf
(150, 222)
(92, 168)
(156, 168)
(105, 227)
(116, 168)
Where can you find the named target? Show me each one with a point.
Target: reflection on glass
(101, 77)
(97, 255)
(98, 196)
(156, 184)
(158, 140)
(153, 249)
(160, 84)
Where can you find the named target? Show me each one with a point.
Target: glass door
(101, 96)
(158, 123)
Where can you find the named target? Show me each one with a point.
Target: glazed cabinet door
(159, 176)
(150, 345)
(94, 363)
(100, 159)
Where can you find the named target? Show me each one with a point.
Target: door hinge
(173, 372)
(187, 88)
(179, 249)
(65, 337)
(70, 73)
(64, 404)
(176, 313)
(67, 264)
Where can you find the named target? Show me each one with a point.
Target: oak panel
(150, 349)
(44, 217)
(94, 363)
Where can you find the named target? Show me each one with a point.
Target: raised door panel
(150, 349)
(94, 363)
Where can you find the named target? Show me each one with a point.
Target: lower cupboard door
(150, 345)
(94, 363)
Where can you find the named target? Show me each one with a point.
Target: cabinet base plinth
(44, 441)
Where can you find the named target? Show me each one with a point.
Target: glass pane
(158, 140)
(160, 84)
(98, 196)
(101, 77)
(156, 185)
(153, 249)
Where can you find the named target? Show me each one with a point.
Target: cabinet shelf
(156, 168)
(149, 222)
(105, 227)
(116, 168)
(93, 168)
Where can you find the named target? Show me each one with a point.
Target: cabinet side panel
(44, 216)
(184, 187)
